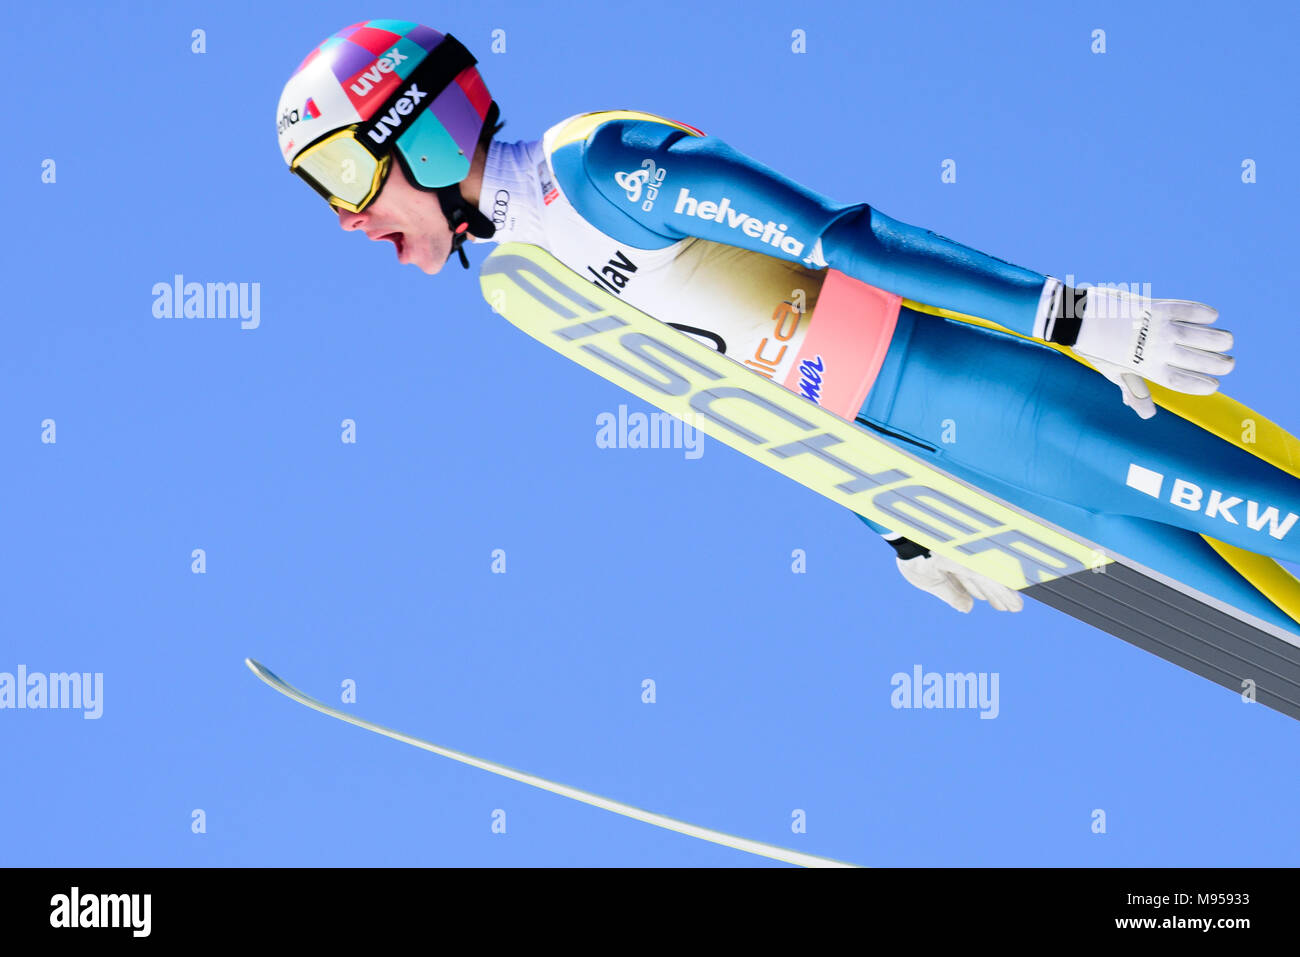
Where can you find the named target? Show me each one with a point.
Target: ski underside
(760, 848)
(1256, 655)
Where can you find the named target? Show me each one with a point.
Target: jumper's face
(411, 219)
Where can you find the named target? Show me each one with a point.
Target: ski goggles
(349, 166)
(342, 170)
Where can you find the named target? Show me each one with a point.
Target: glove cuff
(907, 548)
(1063, 328)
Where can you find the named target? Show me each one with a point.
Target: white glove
(1129, 338)
(957, 585)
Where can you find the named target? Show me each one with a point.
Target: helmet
(385, 90)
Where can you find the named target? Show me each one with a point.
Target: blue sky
(371, 562)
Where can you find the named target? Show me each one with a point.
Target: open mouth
(397, 239)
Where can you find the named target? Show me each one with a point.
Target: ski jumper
(935, 346)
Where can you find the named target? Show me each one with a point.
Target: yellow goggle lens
(342, 170)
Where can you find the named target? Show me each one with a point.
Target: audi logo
(500, 204)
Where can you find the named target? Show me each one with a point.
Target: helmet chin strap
(464, 218)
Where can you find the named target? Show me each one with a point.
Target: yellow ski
(785, 431)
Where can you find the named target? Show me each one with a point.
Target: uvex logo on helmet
(390, 122)
(371, 78)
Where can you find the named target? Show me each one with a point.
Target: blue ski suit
(697, 234)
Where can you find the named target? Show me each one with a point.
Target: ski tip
(269, 676)
(259, 669)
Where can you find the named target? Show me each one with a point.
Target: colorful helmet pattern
(348, 78)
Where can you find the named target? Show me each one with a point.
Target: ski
(760, 848)
(856, 468)
(1239, 652)
(787, 432)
